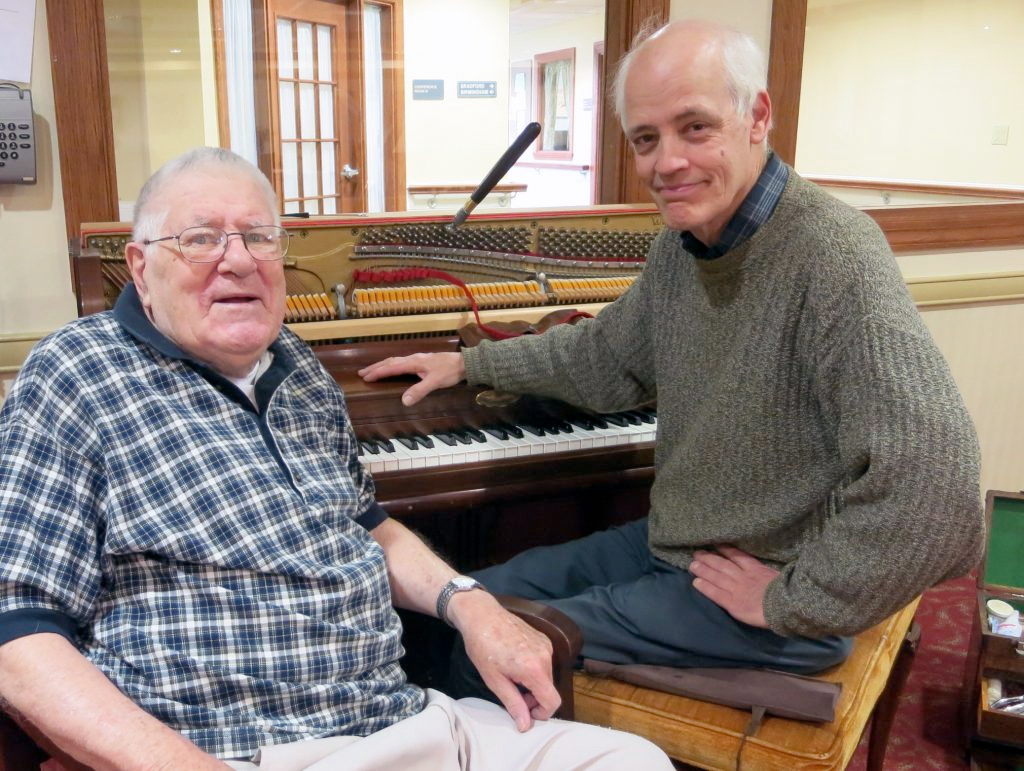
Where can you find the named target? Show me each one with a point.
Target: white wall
(913, 89)
(35, 282)
(455, 140)
(753, 16)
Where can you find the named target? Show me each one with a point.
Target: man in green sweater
(815, 466)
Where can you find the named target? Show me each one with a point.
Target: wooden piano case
(995, 735)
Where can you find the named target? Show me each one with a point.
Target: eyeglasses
(206, 244)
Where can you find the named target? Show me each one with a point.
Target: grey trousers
(636, 609)
(467, 735)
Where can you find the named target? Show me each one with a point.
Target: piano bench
(705, 735)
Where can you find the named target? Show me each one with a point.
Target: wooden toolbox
(993, 656)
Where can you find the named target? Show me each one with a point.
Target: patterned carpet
(927, 730)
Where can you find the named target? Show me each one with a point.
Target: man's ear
(135, 259)
(761, 112)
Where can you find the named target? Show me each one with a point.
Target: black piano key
(497, 432)
(582, 421)
(513, 430)
(475, 434)
(599, 421)
(532, 429)
(645, 416)
(424, 440)
(616, 420)
(445, 437)
(370, 446)
(631, 417)
(385, 444)
(461, 436)
(407, 441)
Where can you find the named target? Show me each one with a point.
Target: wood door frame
(598, 110)
(540, 61)
(348, 103)
(84, 124)
(392, 36)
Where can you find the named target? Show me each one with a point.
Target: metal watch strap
(453, 587)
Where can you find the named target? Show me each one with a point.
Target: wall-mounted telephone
(17, 136)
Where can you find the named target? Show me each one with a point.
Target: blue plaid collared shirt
(755, 210)
(212, 558)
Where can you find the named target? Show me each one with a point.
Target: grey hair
(744, 63)
(149, 217)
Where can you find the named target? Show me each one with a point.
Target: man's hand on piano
(507, 653)
(435, 370)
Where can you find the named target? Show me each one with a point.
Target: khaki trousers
(466, 735)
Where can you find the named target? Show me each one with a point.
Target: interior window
(555, 72)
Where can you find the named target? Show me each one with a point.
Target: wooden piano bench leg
(566, 640)
(885, 709)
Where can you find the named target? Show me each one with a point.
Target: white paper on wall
(17, 25)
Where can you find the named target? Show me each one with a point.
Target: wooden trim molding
(956, 226)
(581, 167)
(221, 73)
(394, 101)
(81, 95)
(623, 19)
(785, 69)
(930, 188)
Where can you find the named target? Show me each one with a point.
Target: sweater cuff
(473, 361)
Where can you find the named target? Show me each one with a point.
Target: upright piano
(482, 475)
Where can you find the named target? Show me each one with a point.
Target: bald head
(717, 49)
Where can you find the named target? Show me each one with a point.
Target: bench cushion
(709, 735)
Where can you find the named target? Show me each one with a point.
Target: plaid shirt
(210, 557)
(755, 210)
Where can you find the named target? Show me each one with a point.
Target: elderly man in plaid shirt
(194, 572)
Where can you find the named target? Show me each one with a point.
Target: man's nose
(672, 155)
(236, 255)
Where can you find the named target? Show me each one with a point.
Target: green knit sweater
(804, 413)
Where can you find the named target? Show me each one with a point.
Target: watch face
(464, 582)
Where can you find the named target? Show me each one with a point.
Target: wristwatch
(457, 584)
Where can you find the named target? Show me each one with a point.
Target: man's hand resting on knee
(507, 653)
(734, 580)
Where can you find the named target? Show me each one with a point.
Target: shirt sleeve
(49, 542)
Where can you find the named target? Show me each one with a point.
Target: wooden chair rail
(930, 188)
(504, 190)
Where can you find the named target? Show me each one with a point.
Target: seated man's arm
(46, 681)
(506, 651)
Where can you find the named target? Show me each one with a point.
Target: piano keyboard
(499, 441)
